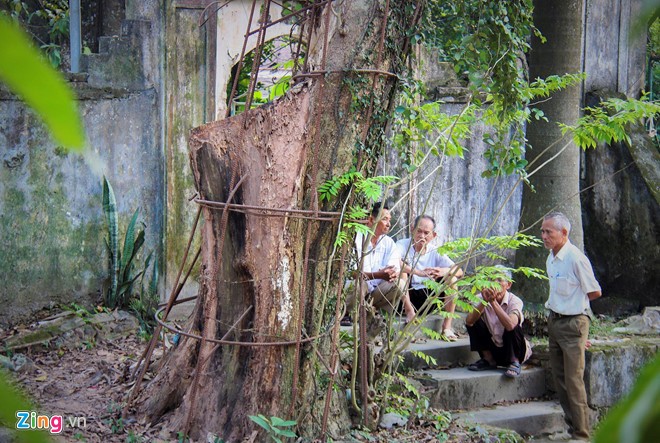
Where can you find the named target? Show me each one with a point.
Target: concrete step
(460, 388)
(535, 418)
(446, 354)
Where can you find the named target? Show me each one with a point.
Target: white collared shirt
(428, 258)
(571, 279)
(384, 254)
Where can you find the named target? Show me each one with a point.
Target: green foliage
(429, 360)
(115, 422)
(275, 427)
(274, 56)
(421, 130)
(112, 242)
(609, 122)
(25, 72)
(369, 187)
(485, 40)
(146, 303)
(48, 24)
(12, 401)
(463, 248)
(132, 437)
(636, 418)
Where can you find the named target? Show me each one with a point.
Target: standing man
(381, 264)
(423, 263)
(572, 287)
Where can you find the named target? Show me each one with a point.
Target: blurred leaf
(27, 74)
(12, 401)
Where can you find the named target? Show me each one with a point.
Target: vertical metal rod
(74, 34)
(240, 61)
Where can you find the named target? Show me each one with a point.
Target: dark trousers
(418, 297)
(482, 340)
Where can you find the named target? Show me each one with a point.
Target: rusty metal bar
(240, 60)
(256, 60)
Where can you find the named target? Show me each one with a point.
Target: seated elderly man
(423, 262)
(495, 329)
(381, 264)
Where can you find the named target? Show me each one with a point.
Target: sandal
(481, 365)
(449, 335)
(513, 370)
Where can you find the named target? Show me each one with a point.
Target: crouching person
(495, 329)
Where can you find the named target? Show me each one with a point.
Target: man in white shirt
(422, 262)
(572, 287)
(380, 264)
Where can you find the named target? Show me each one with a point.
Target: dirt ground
(90, 382)
(87, 380)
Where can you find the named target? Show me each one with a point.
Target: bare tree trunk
(556, 186)
(254, 275)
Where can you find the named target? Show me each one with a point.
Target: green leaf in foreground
(12, 401)
(31, 78)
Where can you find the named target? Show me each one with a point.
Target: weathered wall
(185, 109)
(620, 215)
(53, 228)
(452, 190)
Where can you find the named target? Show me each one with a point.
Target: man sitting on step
(495, 329)
(381, 286)
(421, 260)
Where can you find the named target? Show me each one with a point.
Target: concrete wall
(53, 228)
(452, 190)
(620, 215)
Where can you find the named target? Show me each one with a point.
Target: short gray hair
(505, 271)
(560, 221)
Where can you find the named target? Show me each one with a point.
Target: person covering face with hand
(495, 329)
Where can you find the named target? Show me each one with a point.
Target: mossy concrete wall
(451, 189)
(620, 213)
(186, 89)
(611, 370)
(52, 226)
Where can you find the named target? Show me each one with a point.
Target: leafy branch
(609, 122)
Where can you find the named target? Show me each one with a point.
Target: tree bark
(253, 265)
(556, 186)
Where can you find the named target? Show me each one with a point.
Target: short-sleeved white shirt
(385, 253)
(571, 279)
(428, 259)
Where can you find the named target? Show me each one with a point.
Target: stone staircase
(484, 398)
(521, 404)
(124, 61)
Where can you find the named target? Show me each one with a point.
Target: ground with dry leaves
(89, 378)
